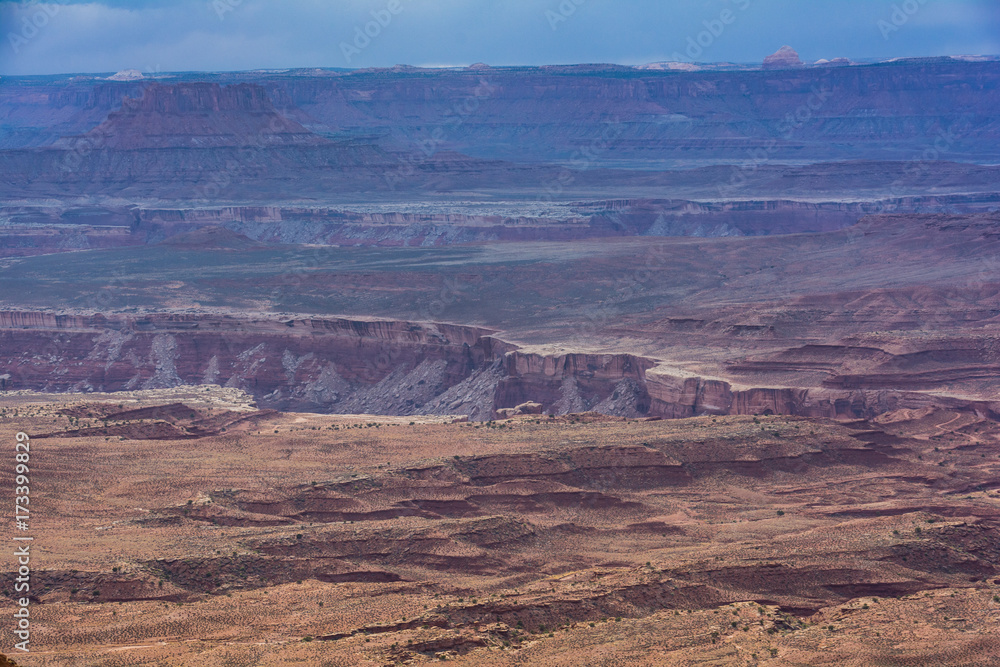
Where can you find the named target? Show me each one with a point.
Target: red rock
(386, 367)
(782, 58)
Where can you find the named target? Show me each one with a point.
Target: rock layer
(386, 367)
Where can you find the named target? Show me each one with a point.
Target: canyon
(403, 368)
(563, 365)
(736, 328)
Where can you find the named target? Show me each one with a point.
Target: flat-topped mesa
(200, 115)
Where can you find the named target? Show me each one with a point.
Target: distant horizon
(55, 37)
(988, 57)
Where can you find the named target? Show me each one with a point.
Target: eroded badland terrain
(193, 532)
(587, 365)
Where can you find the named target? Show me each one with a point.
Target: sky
(106, 36)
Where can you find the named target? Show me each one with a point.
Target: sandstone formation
(402, 368)
(126, 75)
(782, 58)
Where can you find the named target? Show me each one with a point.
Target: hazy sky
(179, 35)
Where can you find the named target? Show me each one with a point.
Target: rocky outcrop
(360, 366)
(39, 240)
(786, 56)
(572, 382)
(526, 408)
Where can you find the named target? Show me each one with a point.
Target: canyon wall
(384, 367)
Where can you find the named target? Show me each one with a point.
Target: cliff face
(675, 397)
(325, 365)
(380, 367)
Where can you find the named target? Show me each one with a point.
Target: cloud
(179, 35)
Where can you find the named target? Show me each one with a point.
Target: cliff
(385, 367)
